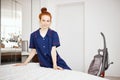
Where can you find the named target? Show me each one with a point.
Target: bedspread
(33, 71)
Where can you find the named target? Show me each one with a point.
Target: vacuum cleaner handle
(104, 40)
(105, 56)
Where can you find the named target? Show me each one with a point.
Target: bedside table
(24, 55)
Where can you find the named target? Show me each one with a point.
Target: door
(70, 27)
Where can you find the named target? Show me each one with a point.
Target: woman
(44, 42)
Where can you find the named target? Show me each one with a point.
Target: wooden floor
(112, 78)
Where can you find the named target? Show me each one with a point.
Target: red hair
(45, 12)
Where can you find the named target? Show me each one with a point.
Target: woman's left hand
(57, 67)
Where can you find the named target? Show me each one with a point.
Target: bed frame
(35, 58)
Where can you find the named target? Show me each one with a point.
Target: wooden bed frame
(35, 58)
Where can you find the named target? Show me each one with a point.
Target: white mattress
(33, 71)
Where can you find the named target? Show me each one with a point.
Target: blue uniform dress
(43, 46)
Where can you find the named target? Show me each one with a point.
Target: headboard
(35, 58)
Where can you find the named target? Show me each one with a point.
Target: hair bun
(44, 10)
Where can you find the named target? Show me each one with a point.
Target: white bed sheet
(33, 71)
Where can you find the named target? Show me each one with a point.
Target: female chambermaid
(44, 42)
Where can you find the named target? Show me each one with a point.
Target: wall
(103, 16)
(100, 16)
(35, 14)
(26, 19)
(30, 20)
(68, 26)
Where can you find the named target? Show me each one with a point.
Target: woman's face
(45, 21)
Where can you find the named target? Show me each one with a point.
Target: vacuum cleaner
(100, 63)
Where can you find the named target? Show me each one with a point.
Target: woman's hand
(57, 67)
(20, 64)
(54, 59)
(31, 55)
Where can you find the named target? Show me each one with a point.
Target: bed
(33, 71)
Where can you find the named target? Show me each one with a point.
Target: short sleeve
(56, 41)
(32, 42)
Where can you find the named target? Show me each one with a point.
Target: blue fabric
(43, 46)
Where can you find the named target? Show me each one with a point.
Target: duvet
(33, 71)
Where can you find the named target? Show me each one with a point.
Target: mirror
(11, 31)
(11, 23)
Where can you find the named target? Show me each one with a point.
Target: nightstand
(24, 55)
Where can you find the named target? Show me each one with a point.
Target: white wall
(100, 16)
(70, 28)
(103, 16)
(30, 17)
(36, 9)
(26, 19)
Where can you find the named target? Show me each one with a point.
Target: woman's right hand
(20, 64)
(31, 55)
